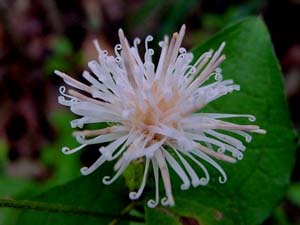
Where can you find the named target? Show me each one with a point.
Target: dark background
(37, 37)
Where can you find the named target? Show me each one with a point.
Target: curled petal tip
(133, 195)
(222, 180)
(65, 150)
(83, 170)
(185, 186)
(151, 203)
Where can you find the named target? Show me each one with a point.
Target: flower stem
(60, 208)
(124, 212)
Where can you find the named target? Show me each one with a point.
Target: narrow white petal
(94, 166)
(135, 195)
(108, 180)
(152, 203)
(223, 178)
(109, 150)
(69, 151)
(203, 180)
(100, 139)
(177, 168)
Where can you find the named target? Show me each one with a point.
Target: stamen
(84, 98)
(150, 151)
(88, 170)
(128, 61)
(108, 150)
(223, 178)
(251, 118)
(210, 67)
(117, 50)
(97, 46)
(136, 42)
(177, 168)
(259, 131)
(195, 179)
(227, 139)
(132, 139)
(135, 195)
(68, 151)
(100, 139)
(200, 63)
(203, 180)
(162, 59)
(247, 137)
(72, 82)
(90, 133)
(179, 38)
(107, 180)
(169, 200)
(216, 154)
(234, 150)
(168, 56)
(152, 203)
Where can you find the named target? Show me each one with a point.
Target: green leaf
(257, 183)
(293, 193)
(85, 193)
(3, 155)
(64, 168)
(13, 188)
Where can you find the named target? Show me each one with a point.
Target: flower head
(154, 113)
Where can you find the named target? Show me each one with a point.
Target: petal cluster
(154, 113)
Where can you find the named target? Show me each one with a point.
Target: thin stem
(67, 209)
(124, 212)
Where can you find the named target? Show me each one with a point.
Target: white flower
(153, 113)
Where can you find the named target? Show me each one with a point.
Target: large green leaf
(13, 188)
(86, 193)
(257, 183)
